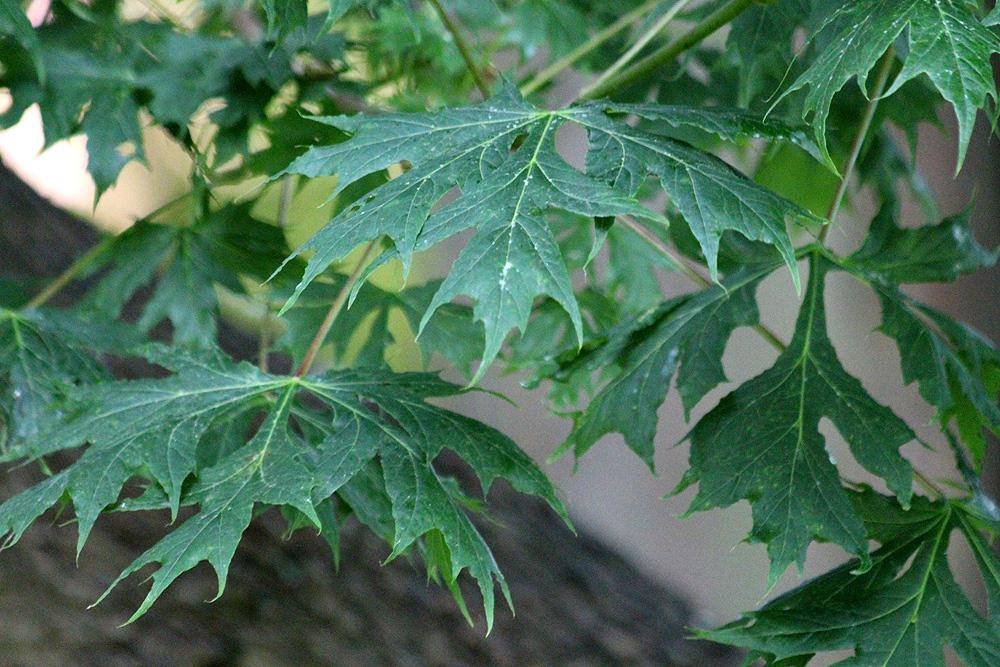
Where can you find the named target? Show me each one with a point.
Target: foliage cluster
(395, 111)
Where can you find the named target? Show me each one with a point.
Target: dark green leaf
(931, 253)
(956, 368)
(687, 335)
(903, 611)
(14, 22)
(153, 429)
(187, 261)
(712, 196)
(762, 443)
(761, 44)
(286, 17)
(43, 354)
(501, 153)
(727, 123)
(100, 70)
(945, 40)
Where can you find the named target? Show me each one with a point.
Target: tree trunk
(578, 603)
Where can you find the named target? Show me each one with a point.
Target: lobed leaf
(44, 353)
(762, 443)
(186, 261)
(317, 436)
(945, 40)
(956, 368)
(902, 611)
(501, 155)
(687, 335)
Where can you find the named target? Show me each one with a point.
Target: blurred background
(611, 493)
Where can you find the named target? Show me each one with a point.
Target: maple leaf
(14, 22)
(762, 443)
(157, 429)
(686, 335)
(711, 195)
(187, 261)
(43, 354)
(501, 154)
(903, 611)
(927, 254)
(760, 43)
(365, 328)
(946, 40)
(955, 367)
(94, 81)
(286, 17)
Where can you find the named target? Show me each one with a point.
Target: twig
(638, 46)
(264, 341)
(925, 482)
(553, 70)
(335, 308)
(689, 272)
(63, 279)
(859, 140)
(285, 199)
(463, 48)
(717, 19)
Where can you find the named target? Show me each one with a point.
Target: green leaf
(687, 335)
(363, 327)
(945, 40)
(931, 253)
(14, 22)
(727, 123)
(285, 17)
(100, 70)
(513, 257)
(903, 611)
(43, 354)
(187, 260)
(762, 443)
(501, 154)
(711, 196)
(556, 25)
(156, 429)
(956, 368)
(760, 43)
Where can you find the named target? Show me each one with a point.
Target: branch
(334, 312)
(638, 46)
(463, 48)
(568, 60)
(717, 19)
(859, 140)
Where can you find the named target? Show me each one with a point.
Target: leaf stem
(926, 484)
(463, 48)
(638, 46)
(264, 342)
(63, 279)
(555, 68)
(668, 52)
(285, 199)
(885, 67)
(335, 308)
(692, 274)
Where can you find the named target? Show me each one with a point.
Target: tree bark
(578, 603)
